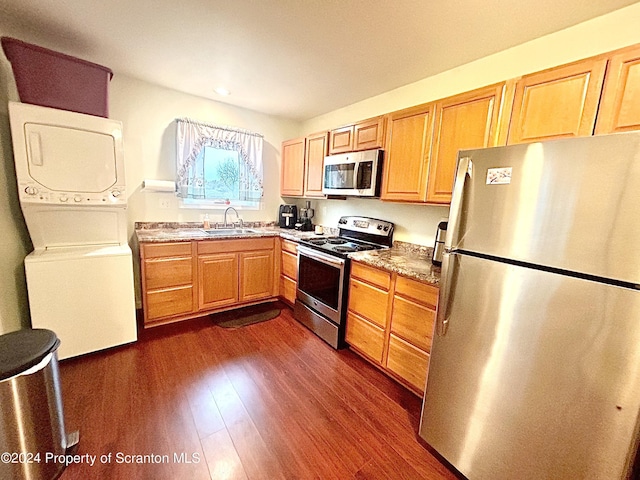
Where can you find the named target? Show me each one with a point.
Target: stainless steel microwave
(353, 174)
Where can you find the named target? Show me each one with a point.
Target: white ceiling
(291, 58)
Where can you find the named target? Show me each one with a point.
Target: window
(218, 166)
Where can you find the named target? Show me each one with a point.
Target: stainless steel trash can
(31, 416)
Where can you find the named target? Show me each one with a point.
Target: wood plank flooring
(265, 401)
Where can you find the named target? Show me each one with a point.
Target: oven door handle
(308, 252)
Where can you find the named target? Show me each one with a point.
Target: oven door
(321, 282)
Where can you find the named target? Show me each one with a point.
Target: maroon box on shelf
(56, 80)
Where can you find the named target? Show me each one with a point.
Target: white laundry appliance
(70, 172)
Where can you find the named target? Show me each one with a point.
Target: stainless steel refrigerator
(535, 366)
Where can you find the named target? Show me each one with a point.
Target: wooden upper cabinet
(368, 134)
(365, 135)
(468, 120)
(408, 147)
(620, 105)
(292, 171)
(341, 140)
(557, 103)
(317, 149)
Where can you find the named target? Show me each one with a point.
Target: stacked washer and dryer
(70, 172)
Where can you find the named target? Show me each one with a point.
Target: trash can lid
(21, 350)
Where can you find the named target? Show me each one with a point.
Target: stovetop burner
(357, 234)
(317, 241)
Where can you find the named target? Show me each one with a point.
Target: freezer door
(536, 377)
(569, 204)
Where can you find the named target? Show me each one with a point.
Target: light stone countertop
(406, 259)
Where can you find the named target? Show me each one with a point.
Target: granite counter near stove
(406, 259)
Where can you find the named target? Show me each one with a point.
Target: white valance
(198, 181)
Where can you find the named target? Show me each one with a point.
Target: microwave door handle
(355, 175)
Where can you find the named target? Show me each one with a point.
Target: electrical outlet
(165, 203)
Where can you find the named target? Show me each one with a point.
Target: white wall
(148, 112)
(417, 224)
(14, 239)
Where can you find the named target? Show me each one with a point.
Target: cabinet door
(557, 103)
(289, 266)
(469, 120)
(292, 173)
(341, 140)
(408, 147)
(369, 302)
(620, 105)
(368, 134)
(314, 161)
(256, 275)
(168, 272)
(408, 362)
(413, 322)
(365, 337)
(218, 280)
(288, 289)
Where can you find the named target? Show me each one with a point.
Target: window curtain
(192, 138)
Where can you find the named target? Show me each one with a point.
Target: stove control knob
(115, 193)
(63, 198)
(77, 198)
(386, 229)
(379, 227)
(31, 190)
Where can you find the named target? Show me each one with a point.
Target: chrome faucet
(237, 216)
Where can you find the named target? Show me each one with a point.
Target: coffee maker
(306, 214)
(287, 216)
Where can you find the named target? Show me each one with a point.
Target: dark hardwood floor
(265, 401)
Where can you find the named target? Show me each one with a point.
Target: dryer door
(69, 160)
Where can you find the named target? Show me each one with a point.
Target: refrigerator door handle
(464, 169)
(442, 316)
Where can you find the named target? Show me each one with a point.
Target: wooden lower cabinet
(408, 362)
(167, 302)
(256, 275)
(167, 280)
(288, 270)
(365, 336)
(390, 321)
(218, 280)
(182, 280)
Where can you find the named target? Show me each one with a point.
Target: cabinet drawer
(290, 265)
(371, 275)
(168, 302)
(408, 362)
(368, 301)
(413, 322)
(177, 249)
(240, 245)
(289, 246)
(288, 289)
(421, 292)
(167, 272)
(365, 337)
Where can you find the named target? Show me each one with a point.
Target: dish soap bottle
(207, 224)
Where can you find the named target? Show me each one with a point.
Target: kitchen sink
(229, 231)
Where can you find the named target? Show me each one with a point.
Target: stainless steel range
(323, 274)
